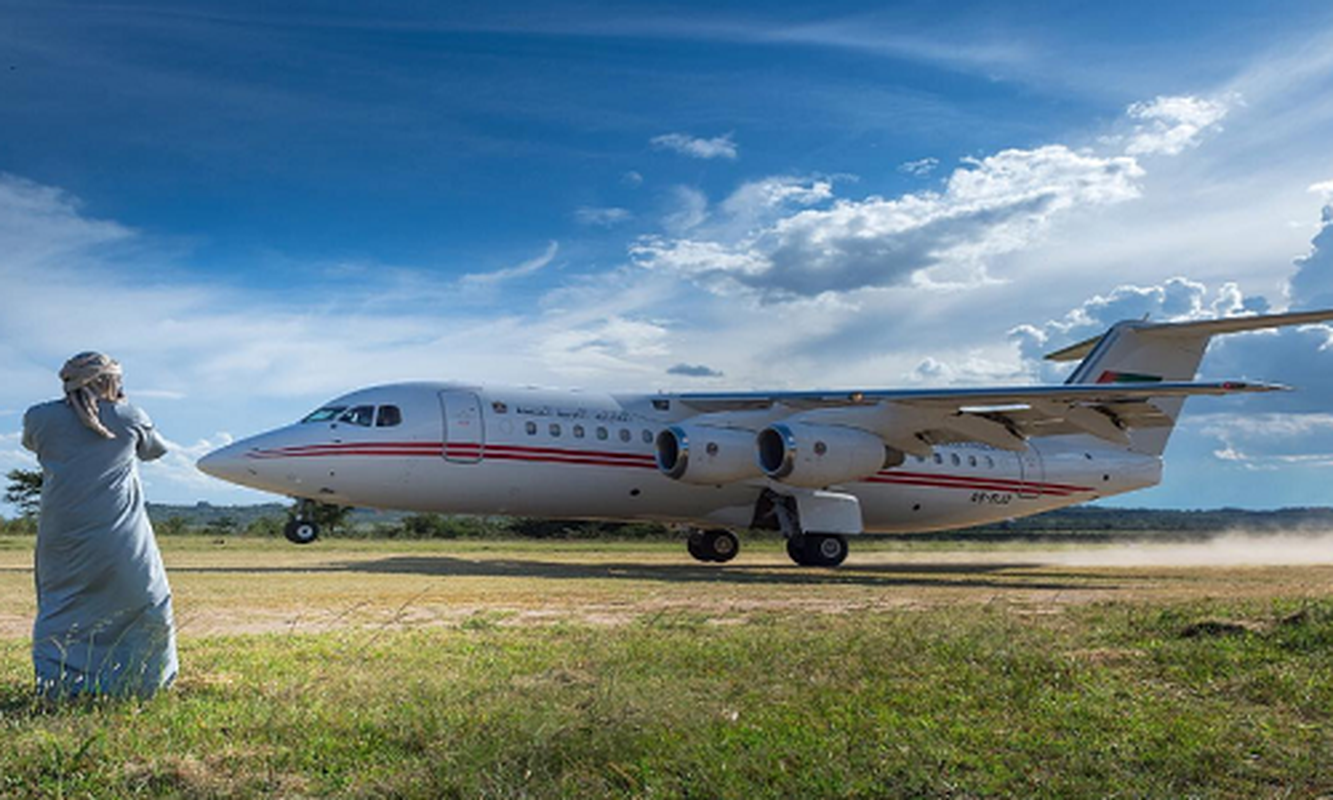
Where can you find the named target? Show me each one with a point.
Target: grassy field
(536, 670)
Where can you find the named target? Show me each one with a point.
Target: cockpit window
(389, 416)
(324, 414)
(361, 415)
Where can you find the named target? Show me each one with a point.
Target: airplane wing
(1002, 417)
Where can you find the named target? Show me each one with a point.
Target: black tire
(796, 546)
(826, 550)
(721, 545)
(695, 544)
(300, 531)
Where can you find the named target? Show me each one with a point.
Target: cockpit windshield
(365, 416)
(361, 415)
(325, 414)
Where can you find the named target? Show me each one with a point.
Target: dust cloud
(1237, 549)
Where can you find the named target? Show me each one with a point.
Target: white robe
(104, 621)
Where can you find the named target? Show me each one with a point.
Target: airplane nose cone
(227, 463)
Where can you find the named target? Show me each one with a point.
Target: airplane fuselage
(452, 448)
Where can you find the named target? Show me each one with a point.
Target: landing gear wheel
(817, 549)
(301, 531)
(695, 544)
(796, 550)
(721, 545)
(828, 550)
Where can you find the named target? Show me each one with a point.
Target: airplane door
(464, 436)
(1032, 471)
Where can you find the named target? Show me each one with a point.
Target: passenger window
(990, 463)
(972, 461)
(920, 459)
(389, 416)
(647, 436)
(499, 407)
(954, 459)
(555, 429)
(325, 414)
(578, 431)
(601, 433)
(939, 459)
(625, 435)
(531, 428)
(361, 415)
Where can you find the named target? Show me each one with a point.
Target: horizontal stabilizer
(1200, 328)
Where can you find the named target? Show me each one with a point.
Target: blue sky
(256, 209)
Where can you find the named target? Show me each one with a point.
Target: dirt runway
(259, 586)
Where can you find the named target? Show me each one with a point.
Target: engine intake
(815, 456)
(705, 454)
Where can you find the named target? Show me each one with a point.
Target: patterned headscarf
(90, 378)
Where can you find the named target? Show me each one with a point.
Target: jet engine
(705, 454)
(815, 456)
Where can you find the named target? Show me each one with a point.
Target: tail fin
(1145, 352)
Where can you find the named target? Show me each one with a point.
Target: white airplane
(820, 466)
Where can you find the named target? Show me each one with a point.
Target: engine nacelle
(815, 456)
(705, 454)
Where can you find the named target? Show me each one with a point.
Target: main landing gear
(302, 529)
(817, 549)
(718, 545)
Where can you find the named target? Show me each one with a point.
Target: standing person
(104, 623)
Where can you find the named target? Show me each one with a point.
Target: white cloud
(605, 217)
(759, 202)
(1324, 189)
(1270, 440)
(617, 344)
(694, 147)
(689, 209)
(989, 207)
(1312, 284)
(1169, 125)
(522, 270)
(632, 178)
(920, 168)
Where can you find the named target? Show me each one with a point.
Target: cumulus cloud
(1256, 432)
(920, 168)
(602, 217)
(1169, 125)
(632, 178)
(694, 371)
(988, 208)
(1175, 299)
(1312, 285)
(1324, 189)
(695, 147)
(760, 202)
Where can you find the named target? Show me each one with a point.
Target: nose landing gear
(302, 529)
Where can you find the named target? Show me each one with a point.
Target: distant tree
(222, 526)
(264, 526)
(174, 525)
(24, 491)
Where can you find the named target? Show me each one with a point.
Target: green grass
(969, 700)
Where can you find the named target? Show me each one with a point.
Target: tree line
(23, 492)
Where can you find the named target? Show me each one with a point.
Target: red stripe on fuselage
(606, 458)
